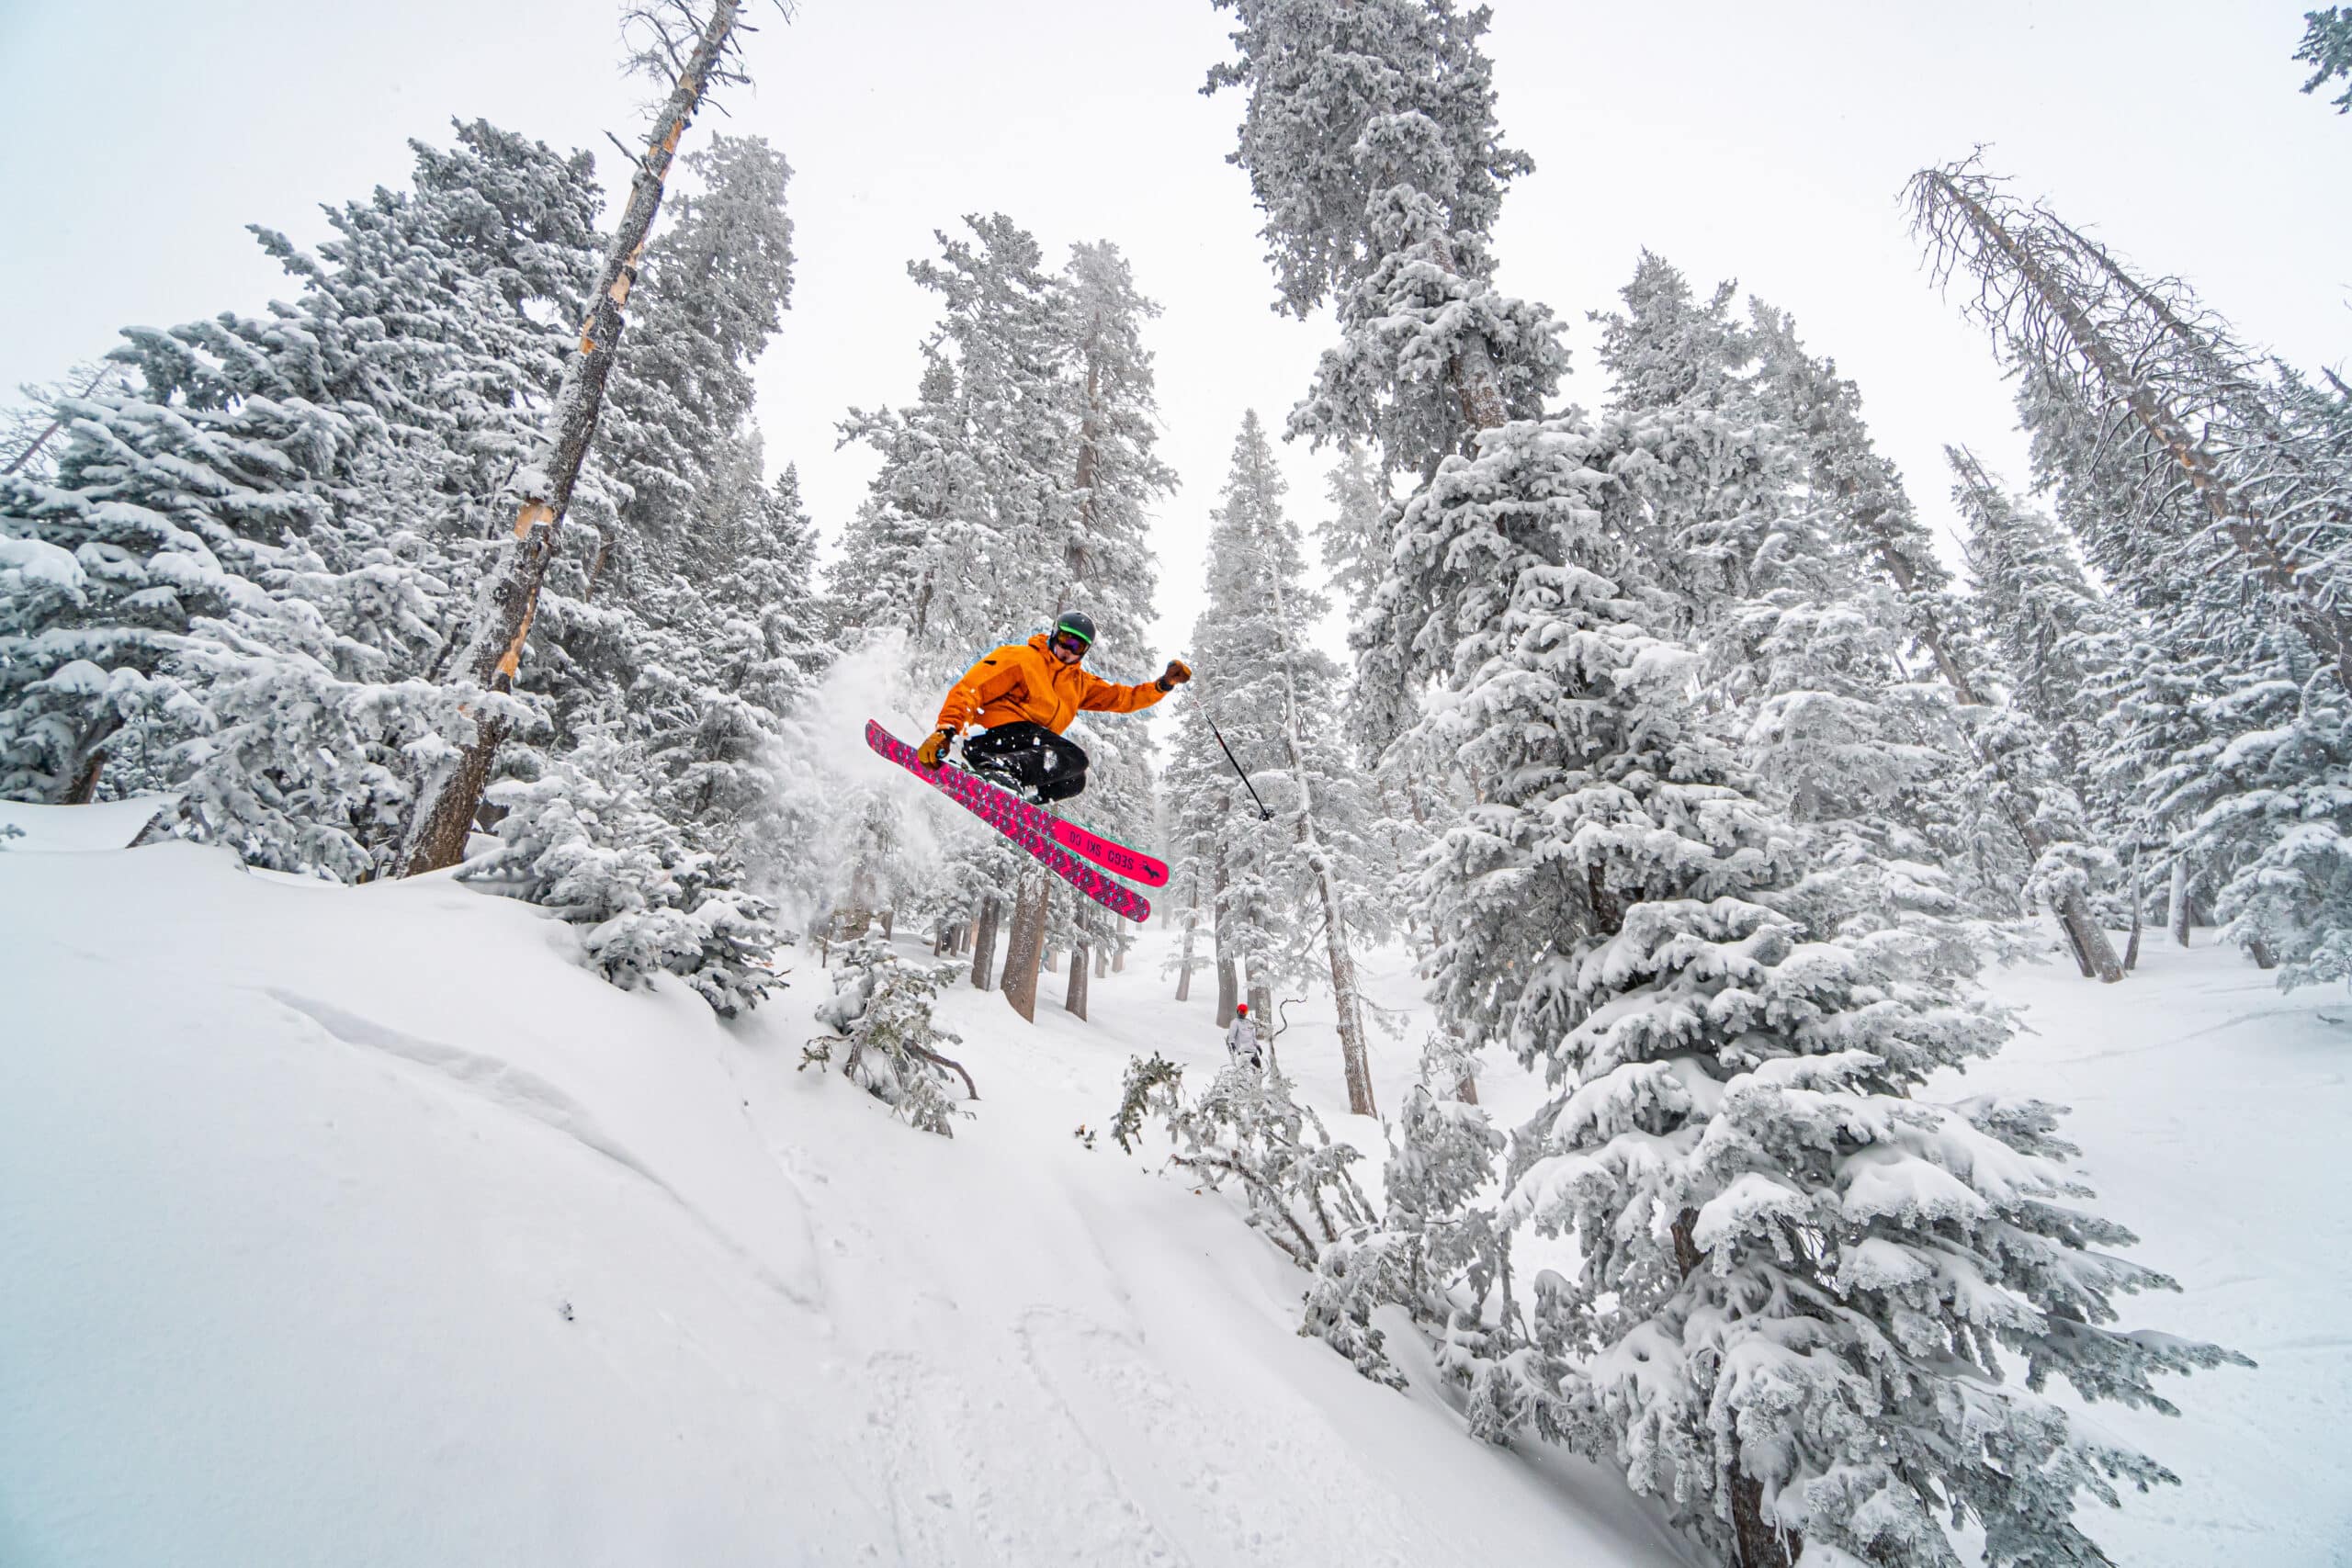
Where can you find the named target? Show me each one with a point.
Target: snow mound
(361, 1224)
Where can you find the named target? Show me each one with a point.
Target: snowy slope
(363, 1227)
(2215, 1118)
(360, 1227)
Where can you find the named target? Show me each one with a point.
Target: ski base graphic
(1025, 825)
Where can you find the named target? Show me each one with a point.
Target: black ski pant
(1031, 758)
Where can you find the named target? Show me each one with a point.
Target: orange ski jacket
(1022, 680)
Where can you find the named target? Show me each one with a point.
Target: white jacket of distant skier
(1241, 1041)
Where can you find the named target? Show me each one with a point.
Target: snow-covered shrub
(581, 840)
(1440, 1255)
(880, 1010)
(1249, 1131)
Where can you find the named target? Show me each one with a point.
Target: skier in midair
(1023, 697)
(1241, 1039)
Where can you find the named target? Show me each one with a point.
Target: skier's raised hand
(933, 751)
(1175, 675)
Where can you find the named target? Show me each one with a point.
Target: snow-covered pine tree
(2057, 637)
(1353, 541)
(1311, 870)
(739, 688)
(880, 1014)
(1110, 571)
(959, 538)
(2019, 797)
(711, 295)
(582, 841)
(173, 499)
(1370, 138)
(2327, 49)
(1758, 1193)
(1438, 1250)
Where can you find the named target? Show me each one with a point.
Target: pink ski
(1028, 825)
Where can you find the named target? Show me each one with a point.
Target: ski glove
(1175, 675)
(933, 751)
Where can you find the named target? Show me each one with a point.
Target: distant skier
(1241, 1040)
(1023, 697)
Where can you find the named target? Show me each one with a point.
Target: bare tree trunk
(443, 811)
(2139, 898)
(1184, 955)
(1081, 965)
(984, 942)
(1353, 1059)
(1262, 998)
(888, 917)
(33, 448)
(1102, 962)
(1024, 946)
(2176, 913)
(2270, 557)
(1229, 977)
(1119, 961)
(1053, 960)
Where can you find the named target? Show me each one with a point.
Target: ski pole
(1263, 814)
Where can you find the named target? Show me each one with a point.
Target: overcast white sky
(1762, 142)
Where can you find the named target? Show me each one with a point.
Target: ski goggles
(1068, 642)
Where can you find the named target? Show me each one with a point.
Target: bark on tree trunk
(1074, 1000)
(1119, 961)
(984, 942)
(2177, 915)
(443, 811)
(2139, 901)
(1024, 947)
(1261, 999)
(1353, 1059)
(1229, 975)
(1760, 1544)
(1102, 962)
(1053, 961)
(1184, 955)
(86, 783)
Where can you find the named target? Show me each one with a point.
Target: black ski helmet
(1079, 624)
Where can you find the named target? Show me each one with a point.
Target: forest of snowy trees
(1693, 772)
